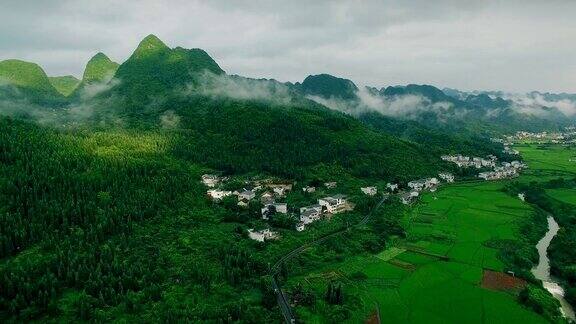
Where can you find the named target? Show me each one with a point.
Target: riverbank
(542, 270)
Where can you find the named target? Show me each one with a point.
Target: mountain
(26, 76)
(328, 86)
(64, 84)
(485, 101)
(433, 94)
(155, 69)
(99, 69)
(98, 72)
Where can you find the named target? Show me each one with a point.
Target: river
(542, 270)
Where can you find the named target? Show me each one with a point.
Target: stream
(542, 270)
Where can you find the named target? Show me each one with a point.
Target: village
(498, 171)
(271, 194)
(564, 137)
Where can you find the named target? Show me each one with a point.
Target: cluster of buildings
(427, 184)
(567, 136)
(467, 161)
(505, 171)
(263, 235)
(509, 150)
(326, 206)
(416, 186)
(268, 191)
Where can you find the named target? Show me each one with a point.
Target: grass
(565, 195)
(548, 162)
(459, 220)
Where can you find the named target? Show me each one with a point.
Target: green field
(566, 195)
(412, 283)
(546, 162)
(435, 274)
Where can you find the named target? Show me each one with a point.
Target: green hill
(99, 69)
(64, 84)
(154, 69)
(328, 86)
(26, 75)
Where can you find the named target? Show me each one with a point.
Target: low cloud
(15, 103)
(169, 120)
(241, 88)
(534, 103)
(91, 90)
(405, 106)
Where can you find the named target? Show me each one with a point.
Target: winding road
(281, 298)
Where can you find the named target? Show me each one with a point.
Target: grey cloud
(241, 88)
(512, 45)
(405, 107)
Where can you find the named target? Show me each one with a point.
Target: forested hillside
(102, 213)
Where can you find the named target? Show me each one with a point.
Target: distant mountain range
(231, 122)
(495, 111)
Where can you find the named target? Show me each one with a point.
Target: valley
(438, 271)
(165, 189)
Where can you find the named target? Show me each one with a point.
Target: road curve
(281, 298)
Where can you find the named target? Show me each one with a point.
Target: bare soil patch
(501, 281)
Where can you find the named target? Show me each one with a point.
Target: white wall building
(335, 204)
(217, 194)
(210, 180)
(392, 186)
(281, 208)
(263, 235)
(370, 191)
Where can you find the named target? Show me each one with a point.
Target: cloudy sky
(482, 44)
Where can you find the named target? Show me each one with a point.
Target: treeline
(88, 229)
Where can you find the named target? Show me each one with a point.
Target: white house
(218, 194)
(309, 189)
(431, 184)
(335, 204)
(448, 177)
(522, 196)
(280, 189)
(392, 186)
(281, 208)
(300, 226)
(210, 180)
(310, 214)
(370, 191)
(417, 184)
(246, 195)
(331, 185)
(405, 199)
(263, 235)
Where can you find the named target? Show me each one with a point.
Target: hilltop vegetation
(99, 69)
(27, 82)
(154, 69)
(26, 75)
(65, 84)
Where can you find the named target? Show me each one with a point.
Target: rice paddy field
(548, 161)
(435, 274)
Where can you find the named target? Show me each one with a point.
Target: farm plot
(435, 276)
